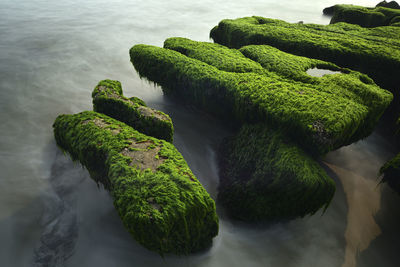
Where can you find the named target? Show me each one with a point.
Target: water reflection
(59, 221)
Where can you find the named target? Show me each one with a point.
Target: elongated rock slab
(262, 84)
(374, 51)
(158, 198)
(108, 99)
(265, 176)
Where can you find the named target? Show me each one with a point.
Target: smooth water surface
(316, 72)
(53, 53)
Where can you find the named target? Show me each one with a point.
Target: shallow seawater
(53, 53)
(316, 72)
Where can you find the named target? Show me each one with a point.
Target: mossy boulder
(391, 173)
(329, 10)
(262, 84)
(363, 16)
(374, 51)
(108, 99)
(391, 4)
(158, 198)
(265, 176)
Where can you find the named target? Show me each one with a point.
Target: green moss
(138, 101)
(391, 172)
(265, 176)
(108, 99)
(363, 16)
(374, 51)
(290, 66)
(263, 84)
(158, 198)
(395, 21)
(230, 60)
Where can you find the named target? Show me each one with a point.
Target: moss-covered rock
(263, 84)
(363, 16)
(395, 21)
(108, 99)
(265, 176)
(158, 198)
(374, 51)
(391, 4)
(391, 172)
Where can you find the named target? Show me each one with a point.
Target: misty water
(317, 72)
(53, 53)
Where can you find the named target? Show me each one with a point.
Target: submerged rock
(391, 173)
(158, 198)
(391, 169)
(263, 84)
(363, 16)
(108, 99)
(374, 51)
(264, 175)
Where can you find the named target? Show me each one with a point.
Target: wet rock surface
(108, 99)
(159, 200)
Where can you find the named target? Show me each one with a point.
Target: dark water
(53, 53)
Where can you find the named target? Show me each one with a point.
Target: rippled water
(53, 53)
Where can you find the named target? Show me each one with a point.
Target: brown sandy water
(364, 199)
(357, 168)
